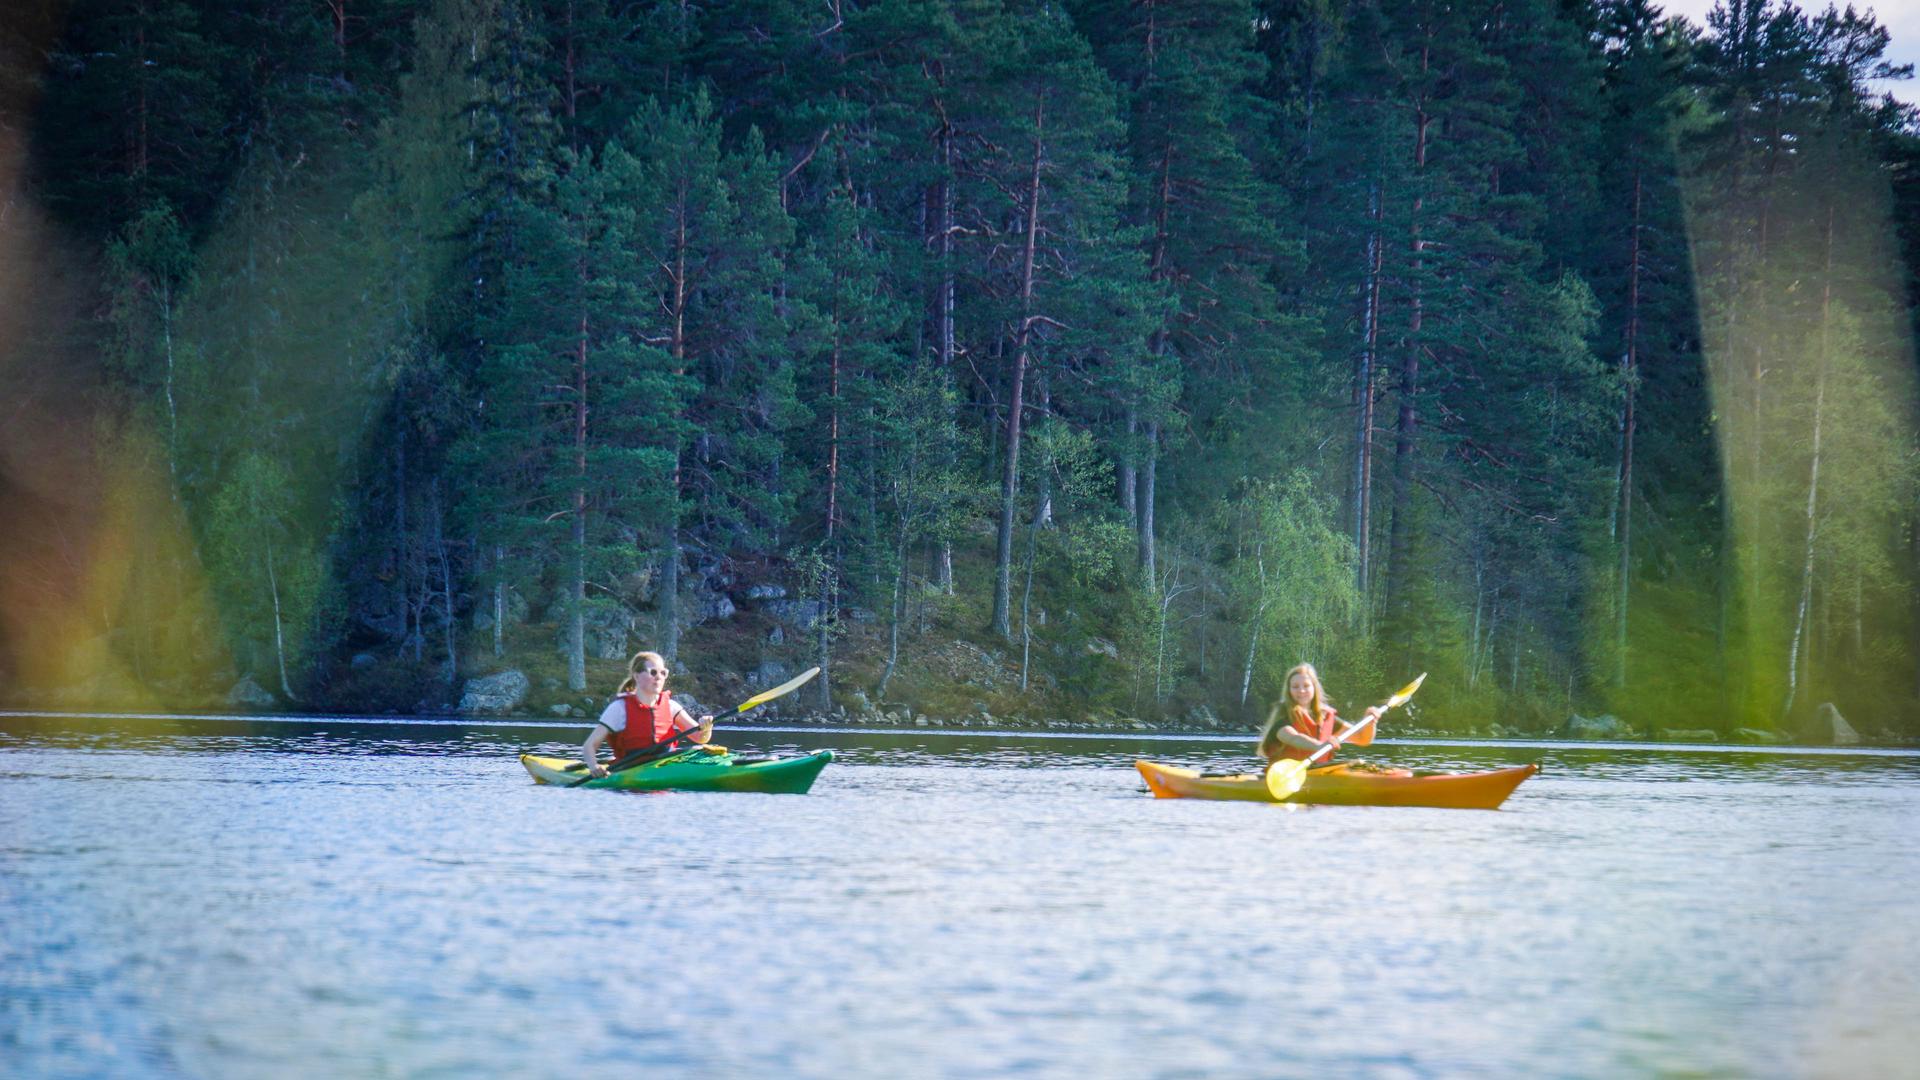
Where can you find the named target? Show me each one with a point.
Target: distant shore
(894, 722)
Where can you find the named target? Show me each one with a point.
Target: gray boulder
(1605, 726)
(767, 592)
(494, 695)
(769, 674)
(608, 630)
(804, 614)
(247, 694)
(513, 608)
(715, 606)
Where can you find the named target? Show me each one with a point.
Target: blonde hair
(1285, 706)
(634, 667)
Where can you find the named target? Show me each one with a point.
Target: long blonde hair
(637, 664)
(1284, 707)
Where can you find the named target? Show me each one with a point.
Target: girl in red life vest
(1303, 722)
(642, 715)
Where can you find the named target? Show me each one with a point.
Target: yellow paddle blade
(787, 687)
(1284, 777)
(1362, 734)
(1405, 692)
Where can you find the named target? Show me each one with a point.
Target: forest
(1081, 359)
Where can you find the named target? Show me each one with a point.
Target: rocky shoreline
(509, 696)
(904, 720)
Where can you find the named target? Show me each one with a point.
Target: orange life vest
(647, 725)
(1322, 731)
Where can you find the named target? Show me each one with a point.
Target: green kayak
(699, 770)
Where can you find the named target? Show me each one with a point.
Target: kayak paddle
(782, 690)
(1286, 775)
(658, 749)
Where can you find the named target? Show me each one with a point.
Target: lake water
(230, 899)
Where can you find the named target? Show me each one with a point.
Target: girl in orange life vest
(1304, 722)
(643, 714)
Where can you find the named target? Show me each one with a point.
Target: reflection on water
(325, 898)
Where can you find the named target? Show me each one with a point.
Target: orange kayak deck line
(1343, 785)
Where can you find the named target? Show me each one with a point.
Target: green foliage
(592, 311)
(272, 579)
(1290, 581)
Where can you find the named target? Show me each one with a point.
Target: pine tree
(138, 112)
(1049, 197)
(1207, 219)
(709, 236)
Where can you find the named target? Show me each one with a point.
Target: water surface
(221, 898)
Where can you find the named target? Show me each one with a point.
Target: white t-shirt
(614, 716)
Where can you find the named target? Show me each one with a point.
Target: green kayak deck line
(691, 772)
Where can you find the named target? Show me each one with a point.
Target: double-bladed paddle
(659, 749)
(1286, 775)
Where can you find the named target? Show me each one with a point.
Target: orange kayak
(1344, 785)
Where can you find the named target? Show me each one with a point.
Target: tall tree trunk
(577, 562)
(279, 634)
(448, 623)
(898, 608)
(670, 593)
(1010, 476)
(137, 167)
(1149, 471)
(943, 563)
(1129, 482)
(1756, 376)
(1479, 607)
(829, 572)
(338, 9)
(402, 548)
(1813, 479)
(1040, 505)
(173, 414)
(1859, 629)
(1364, 398)
(1259, 620)
(499, 603)
(1623, 495)
(677, 348)
(1159, 269)
(1400, 533)
(569, 83)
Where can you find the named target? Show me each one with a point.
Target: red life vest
(1323, 731)
(647, 725)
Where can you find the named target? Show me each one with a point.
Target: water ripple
(377, 902)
